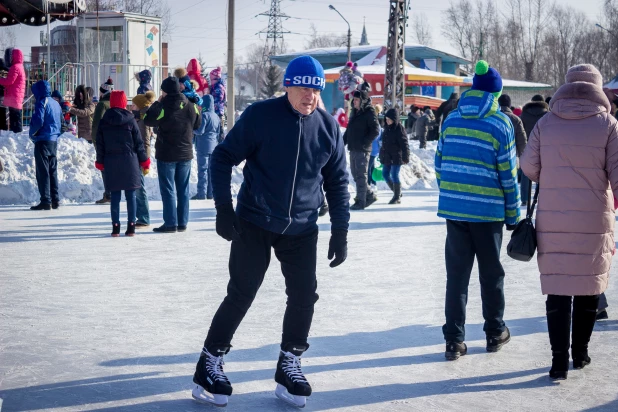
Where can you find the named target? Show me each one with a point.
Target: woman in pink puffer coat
(14, 87)
(573, 154)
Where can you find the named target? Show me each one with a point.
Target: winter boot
(454, 350)
(55, 205)
(584, 317)
(115, 229)
(559, 328)
(211, 384)
(103, 201)
(358, 205)
(370, 199)
(130, 229)
(292, 386)
(390, 186)
(495, 343)
(323, 209)
(602, 315)
(397, 194)
(41, 206)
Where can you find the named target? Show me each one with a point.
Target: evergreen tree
(272, 81)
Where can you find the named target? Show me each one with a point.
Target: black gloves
(338, 247)
(228, 225)
(510, 228)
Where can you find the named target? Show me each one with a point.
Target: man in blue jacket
(291, 149)
(44, 131)
(205, 142)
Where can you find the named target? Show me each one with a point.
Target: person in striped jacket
(476, 169)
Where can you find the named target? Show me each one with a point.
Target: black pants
(46, 171)
(464, 242)
(15, 120)
(559, 322)
(249, 260)
(4, 118)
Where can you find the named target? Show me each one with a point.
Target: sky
(201, 25)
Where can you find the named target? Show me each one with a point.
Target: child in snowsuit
(206, 139)
(120, 154)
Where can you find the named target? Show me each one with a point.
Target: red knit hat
(118, 99)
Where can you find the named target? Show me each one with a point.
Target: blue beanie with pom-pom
(487, 79)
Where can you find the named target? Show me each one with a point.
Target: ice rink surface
(90, 322)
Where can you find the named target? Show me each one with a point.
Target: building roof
(337, 56)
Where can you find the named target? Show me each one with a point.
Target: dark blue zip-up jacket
(288, 158)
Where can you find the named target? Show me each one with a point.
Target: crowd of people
(485, 153)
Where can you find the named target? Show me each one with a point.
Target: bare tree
(422, 30)
(317, 40)
(8, 37)
(527, 19)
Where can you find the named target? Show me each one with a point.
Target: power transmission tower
(275, 31)
(394, 78)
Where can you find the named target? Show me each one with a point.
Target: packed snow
(90, 322)
(80, 182)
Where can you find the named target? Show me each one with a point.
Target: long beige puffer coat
(573, 153)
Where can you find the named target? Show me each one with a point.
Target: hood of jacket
(579, 100)
(41, 90)
(172, 101)
(16, 56)
(476, 104)
(117, 116)
(537, 109)
(208, 103)
(506, 109)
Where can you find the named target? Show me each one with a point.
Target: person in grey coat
(423, 125)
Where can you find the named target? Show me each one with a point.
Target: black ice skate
(292, 387)
(212, 386)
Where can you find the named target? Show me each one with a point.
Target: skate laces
(214, 366)
(291, 366)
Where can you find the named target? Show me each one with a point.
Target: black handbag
(522, 245)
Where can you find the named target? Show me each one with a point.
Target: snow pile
(80, 182)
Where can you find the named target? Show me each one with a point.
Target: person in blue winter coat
(45, 127)
(291, 149)
(120, 155)
(206, 139)
(144, 78)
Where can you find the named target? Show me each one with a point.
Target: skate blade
(295, 400)
(203, 396)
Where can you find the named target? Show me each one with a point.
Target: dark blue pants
(464, 242)
(204, 184)
(174, 186)
(391, 173)
(46, 171)
(15, 124)
(372, 165)
(115, 206)
(143, 210)
(525, 186)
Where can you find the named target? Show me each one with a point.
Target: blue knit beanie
(304, 71)
(487, 79)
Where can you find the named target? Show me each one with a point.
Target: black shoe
(165, 229)
(115, 229)
(581, 360)
(139, 225)
(55, 205)
(290, 375)
(495, 343)
(130, 229)
(559, 366)
(196, 197)
(103, 201)
(602, 315)
(323, 210)
(41, 206)
(212, 385)
(357, 206)
(371, 199)
(454, 350)
(182, 228)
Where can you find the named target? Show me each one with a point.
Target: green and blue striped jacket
(476, 163)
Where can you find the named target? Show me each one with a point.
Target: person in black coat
(531, 113)
(177, 118)
(120, 154)
(394, 153)
(4, 112)
(446, 108)
(362, 129)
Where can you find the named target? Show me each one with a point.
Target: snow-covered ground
(80, 182)
(88, 322)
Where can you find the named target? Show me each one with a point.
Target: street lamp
(330, 6)
(609, 31)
